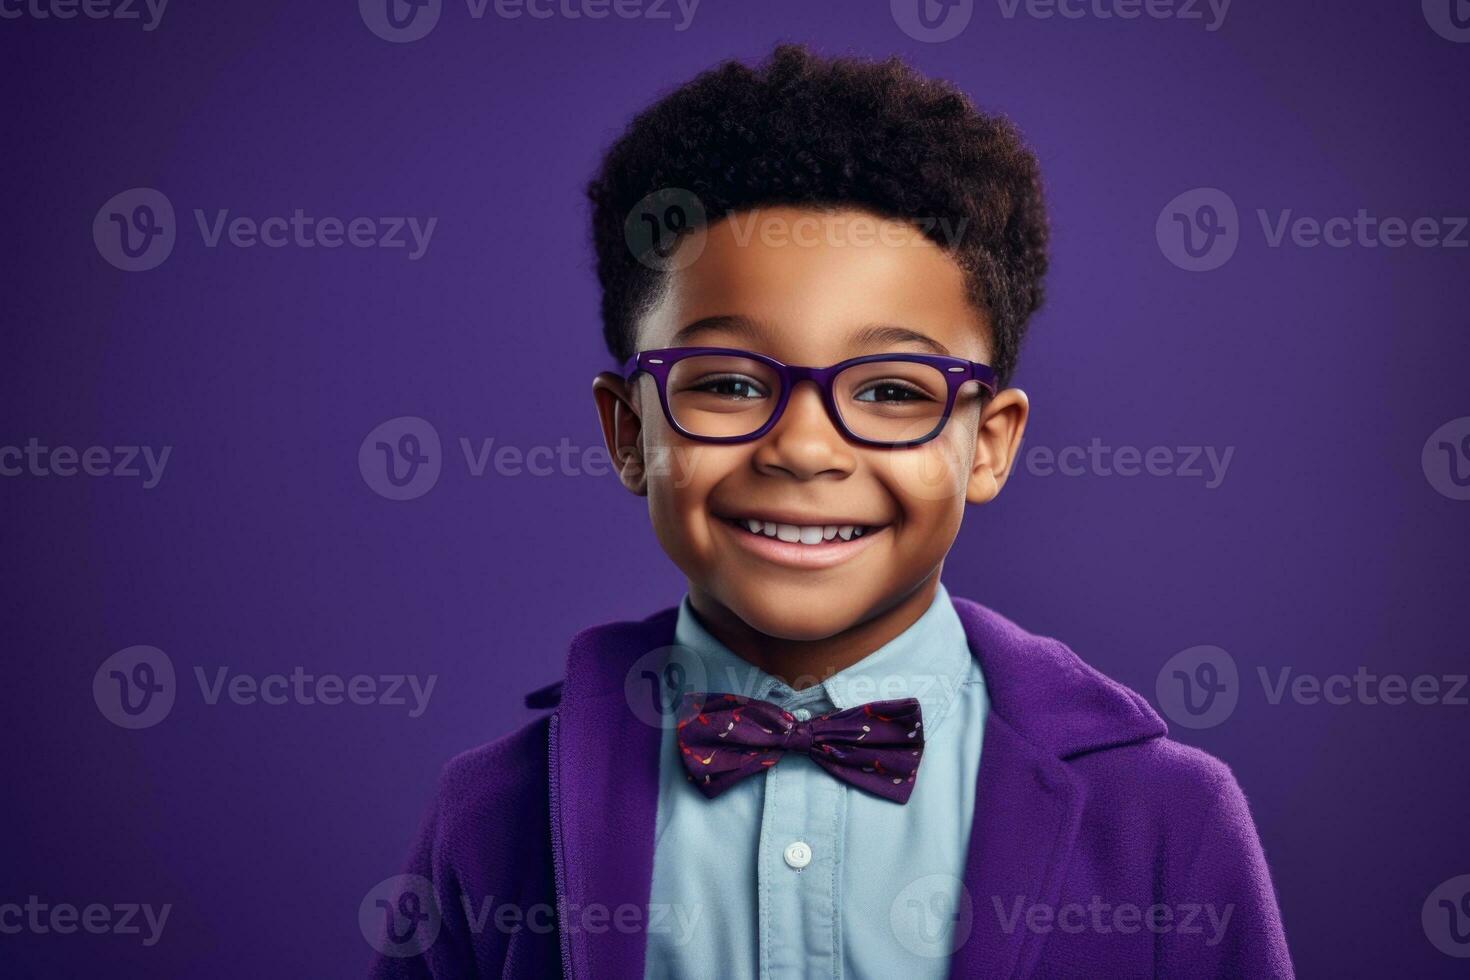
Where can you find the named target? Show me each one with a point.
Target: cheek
(928, 482)
(681, 476)
(677, 468)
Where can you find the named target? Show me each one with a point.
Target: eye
(890, 391)
(735, 386)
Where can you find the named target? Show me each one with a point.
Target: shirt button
(802, 714)
(798, 854)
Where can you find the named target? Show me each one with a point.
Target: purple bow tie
(876, 747)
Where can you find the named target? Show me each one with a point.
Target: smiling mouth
(805, 547)
(810, 535)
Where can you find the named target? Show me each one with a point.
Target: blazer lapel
(604, 800)
(1027, 811)
(1045, 705)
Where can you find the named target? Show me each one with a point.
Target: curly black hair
(810, 131)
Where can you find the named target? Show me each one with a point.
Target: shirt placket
(799, 867)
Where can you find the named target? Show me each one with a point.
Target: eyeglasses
(720, 394)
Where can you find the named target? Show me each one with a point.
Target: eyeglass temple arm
(984, 374)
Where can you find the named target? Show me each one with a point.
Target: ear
(997, 444)
(622, 428)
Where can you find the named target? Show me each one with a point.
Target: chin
(796, 613)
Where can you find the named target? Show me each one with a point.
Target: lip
(793, 554)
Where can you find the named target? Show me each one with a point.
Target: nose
(804, 443)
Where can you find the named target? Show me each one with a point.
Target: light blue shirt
(793, 873)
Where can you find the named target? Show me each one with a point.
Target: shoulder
(1169, 771)
(1196, 841)
(511, 775)
(499, 784)
(495, 778)
(1107, 734)
(487, 828)
(1171, 800)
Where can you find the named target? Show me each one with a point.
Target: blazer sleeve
(1236, 928)
(441, 946)
(485, 843)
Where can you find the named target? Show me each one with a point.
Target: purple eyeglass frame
(956, 371)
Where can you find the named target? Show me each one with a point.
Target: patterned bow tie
(876, 747)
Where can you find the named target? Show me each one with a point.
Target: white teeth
(803, 533)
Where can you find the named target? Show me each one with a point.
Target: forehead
(814, 287)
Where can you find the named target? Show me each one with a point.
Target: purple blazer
(1081, 800)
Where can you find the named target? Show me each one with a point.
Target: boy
(816, 275)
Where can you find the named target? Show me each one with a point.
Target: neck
(803, 663)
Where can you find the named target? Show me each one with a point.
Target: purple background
(263, 548)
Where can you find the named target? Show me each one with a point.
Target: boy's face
(804, 286)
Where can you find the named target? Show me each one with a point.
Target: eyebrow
(874, 335)
(884, 334)
(741, 326)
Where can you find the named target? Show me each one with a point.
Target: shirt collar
(928, 661)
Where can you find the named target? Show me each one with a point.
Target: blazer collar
(1048, 695)
(1047, 706)
(604, 763)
